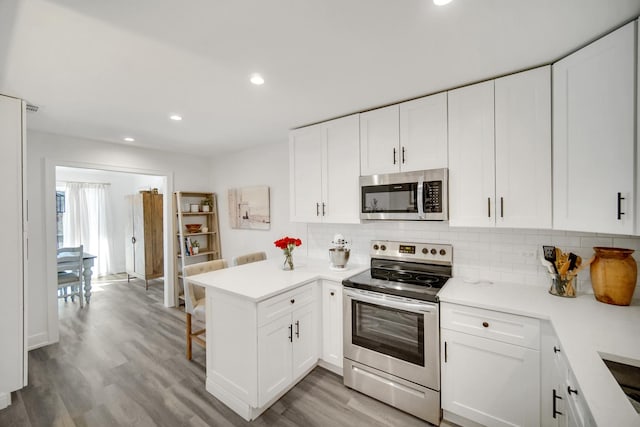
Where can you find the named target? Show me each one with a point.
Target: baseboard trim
(5, 400)
(37, 341)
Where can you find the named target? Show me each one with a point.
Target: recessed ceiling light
(441, 2)
(256, 79)
(129, 139)
(175, 117)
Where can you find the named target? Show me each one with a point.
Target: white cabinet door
(305, 339)
(471, 156)
(490, 382)
(305, 174)
(332, 323)
(523, 149)
(423, 133)
(593, 136)
(379, 141)
(12, 362)
(274, 361)
(341, 171)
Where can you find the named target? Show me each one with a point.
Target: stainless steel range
(392, 326)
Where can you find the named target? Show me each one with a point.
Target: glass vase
(288, 262)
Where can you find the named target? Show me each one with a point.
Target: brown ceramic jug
(613, 275)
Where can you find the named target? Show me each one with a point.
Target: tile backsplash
(485, 254)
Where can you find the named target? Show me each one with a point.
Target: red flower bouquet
(288, 244)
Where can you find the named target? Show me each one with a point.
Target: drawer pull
(293, 301)
(556, 349)
(332, 293)
(485, 324)
(571, 390)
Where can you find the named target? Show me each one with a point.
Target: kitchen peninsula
(266, 329)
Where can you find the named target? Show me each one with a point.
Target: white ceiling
(108, 69)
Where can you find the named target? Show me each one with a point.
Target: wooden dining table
(88, 261)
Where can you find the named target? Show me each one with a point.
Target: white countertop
(258, 281)
(586, 329)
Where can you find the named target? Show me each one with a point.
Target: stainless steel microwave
(414, 196)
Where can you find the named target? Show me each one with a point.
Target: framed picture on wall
(249, 208)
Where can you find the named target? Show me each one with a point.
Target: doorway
(120, 181)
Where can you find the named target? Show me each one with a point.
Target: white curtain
(87, 222)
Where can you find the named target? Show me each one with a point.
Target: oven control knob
(425, 251)
(376, 247)
(383, 247)
(443, 252)
(433, 251)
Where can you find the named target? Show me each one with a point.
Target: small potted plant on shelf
(207, 204)
(196, 246)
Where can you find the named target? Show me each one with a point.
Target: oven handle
(387, 301)
(420, 198)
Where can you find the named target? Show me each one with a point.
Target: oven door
(399, 336)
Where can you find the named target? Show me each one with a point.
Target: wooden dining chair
(248, 258)
(70, 278)
(194, 300)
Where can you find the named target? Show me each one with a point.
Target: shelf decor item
(288, 244)
(207, 204)
(195, 246)
(613, 275)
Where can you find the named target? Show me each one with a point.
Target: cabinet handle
(332, 293)
(403, 155)
(293, 301)
(485, 324)
(133, 239)
(445, 352)
(323, 211)
(620, 199)
(556, 349)
(571, 390)
(290, 333)
(297, 329)
(489, 207)
(555, 398)
(317, 209)
(394, 156)
(501, 207)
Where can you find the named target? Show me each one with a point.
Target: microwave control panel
(432, 196)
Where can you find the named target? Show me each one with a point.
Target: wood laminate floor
(120, 362)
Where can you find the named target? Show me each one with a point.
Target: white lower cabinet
(332, 324)
(257, 351)
(562, 402)
(485, 378)
(286, 349)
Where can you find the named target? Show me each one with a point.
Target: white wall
(44, 152)
(491, 254)
(266, 165)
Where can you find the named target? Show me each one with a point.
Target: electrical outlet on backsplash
(494, 254)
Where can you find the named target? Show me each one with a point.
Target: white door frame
(51, 239)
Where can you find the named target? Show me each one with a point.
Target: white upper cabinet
(593, 133)
(305, 173)
(405, 137)
(341, 171)
(471, 156)
(379, 141)
(423, 133)
(523, 149)
(324, 167)
(500, 152)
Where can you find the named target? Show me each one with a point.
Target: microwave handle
(421, 198)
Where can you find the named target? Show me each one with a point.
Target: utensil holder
(563, 286)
